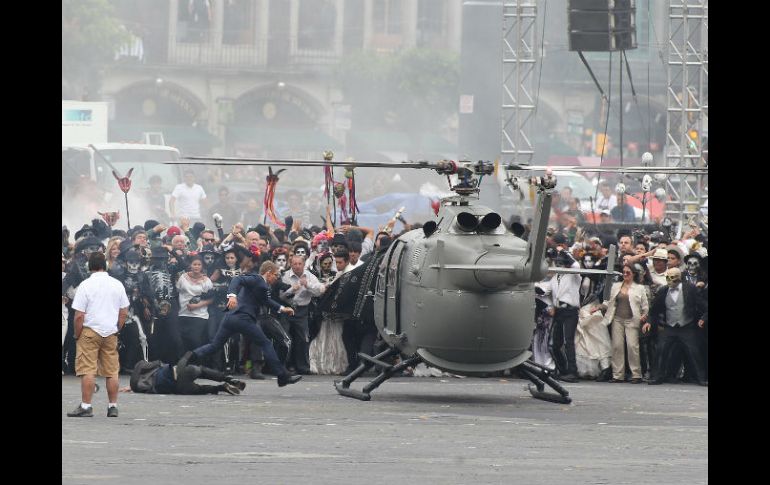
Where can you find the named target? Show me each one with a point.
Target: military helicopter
(459, 293)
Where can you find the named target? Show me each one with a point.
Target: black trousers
(234, 323)
(129, 347)
(297, 328)
(194, 332)
(186, 375)
(564, 325)
(647, 354)
(358, 336)
(690, 339)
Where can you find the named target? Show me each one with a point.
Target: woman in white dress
(327, 351)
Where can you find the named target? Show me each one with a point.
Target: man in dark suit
(679, 313)
(246, 294)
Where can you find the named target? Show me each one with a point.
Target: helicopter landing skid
(386, 372)
(541, 376)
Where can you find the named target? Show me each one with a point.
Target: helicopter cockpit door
(392, 295)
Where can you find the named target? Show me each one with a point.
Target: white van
(80, 160)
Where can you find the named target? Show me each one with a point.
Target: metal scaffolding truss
(519, 19)
(687, 100)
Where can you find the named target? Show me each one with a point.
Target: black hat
(159, 252)
(125, 246)
(693, 255)
(84, 229)
(101, 229)
(559, 238)
(133, 256)
(149, 224)
(242, 252)
(118, 232)
(88, 241)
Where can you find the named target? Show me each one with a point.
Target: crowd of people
(652, 326)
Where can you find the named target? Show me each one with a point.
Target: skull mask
(133, 266)
(693, 266)
(673, 277)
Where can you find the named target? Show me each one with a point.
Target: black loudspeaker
(601, 25)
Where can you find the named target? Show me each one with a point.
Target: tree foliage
(91, 35)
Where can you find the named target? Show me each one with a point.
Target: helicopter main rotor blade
(194, 160)
(630, 169)
(603, 272)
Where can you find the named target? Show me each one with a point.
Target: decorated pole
(125, 185)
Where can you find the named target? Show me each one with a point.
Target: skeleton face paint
(588, 262)
(693, 265)
(323, 246)
(300, 252)
(281, 261)
(208, 259)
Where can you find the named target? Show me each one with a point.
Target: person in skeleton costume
(132, 339)
(680, 313)
(695, 270)
(165, 309)
(212, 262)
(77, 272)
(231, 354)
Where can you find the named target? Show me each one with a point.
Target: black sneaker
(230, 389)
(569, 378)
(80, 412)
(237, 383)
(288, 379)
(112, 412)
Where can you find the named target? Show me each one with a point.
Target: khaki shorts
(97, 355)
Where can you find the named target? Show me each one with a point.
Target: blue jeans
(233, 323)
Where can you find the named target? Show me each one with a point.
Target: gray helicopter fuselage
(460, 299)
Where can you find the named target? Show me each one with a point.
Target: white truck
(88, 161)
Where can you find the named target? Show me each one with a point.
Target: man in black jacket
(158, 378)
(246, 294)
(679, 313)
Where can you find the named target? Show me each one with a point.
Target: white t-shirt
(188, 200)
(187, 290)
(100, 297)
(606, 203)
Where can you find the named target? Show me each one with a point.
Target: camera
(551, 253)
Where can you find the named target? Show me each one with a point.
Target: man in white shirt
(186, 199)
(342, 262)
(354, 251)
(565, 292)
(303, 286)
(606, 200)
(101, 307)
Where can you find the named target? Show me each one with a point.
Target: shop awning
(282, 139)
(189, 139)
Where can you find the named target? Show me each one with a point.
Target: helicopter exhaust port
(490, 222)
(467, 222)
